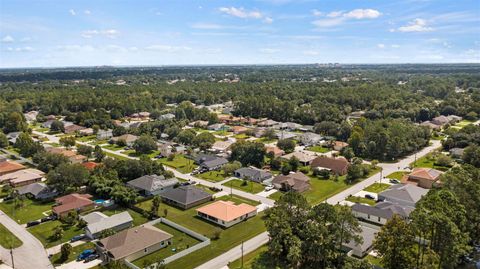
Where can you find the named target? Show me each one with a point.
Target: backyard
(30, 210)
(319, 149)
(181, 163)
(377, 187)
(428, 161)
(361, 200)
(7, 239)
(247, 186)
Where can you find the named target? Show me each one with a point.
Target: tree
(98, 153)
(248, 153)
(322, 173)
(67, 141)
(57, 233)
(15, 122)
(155, 206)
(394, 244)
(119, 131)
(144, 144)
(85, 150)
(444, 160)
(229, 168)
(186, 137)
(269, 134)
(294, 163)
(287, 145)
(27, 146)
(106, 233)
(3, 140)
(68, 177)
(204, 141)
(348, 153)
(275, 163)
(65, 251)
(57, 126)
(48, 161)
(472, 116)
(471, 155)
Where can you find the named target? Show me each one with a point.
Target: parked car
(48, 218)
(394, 181)
(368, 196)
(8, 198)
(33, 223)
(91, 258)
(85, 254)
(77, 238)
(269, 187)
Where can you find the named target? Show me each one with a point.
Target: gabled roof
(297, 181)
(426, 173)
(9, 166)
(338, 165)
(22, 176)
(34, 188)
(253, 172)
(186, 194)
(302, 157)
(405, 192)
(152, 182)
(102, 224)
(133, 240)
(226, 210)
(384, 210)
(72, 201)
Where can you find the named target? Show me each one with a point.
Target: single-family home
(7, 166)
(431, 125)
(31, 115)
(38, 191)
(456, 152)
(310, 139)
(253, 174)
(199, 124)
(440, 120)
(149, 185)
(298, 182)
(404, 194)
(104, 134)
(286, 135)
(128, 138)
(185, 197)
(168, 116)
(98, 222)
(221, 146)
(267, 123)
(133, 243)
(71, 202)
(239, 129)
(338, 166)
(226, 213)
(303, 158)
(209, 162)
(423, 177)
(381, 212)
(86, 131)
(70, 129)
(291, 126)
(72, 156)
(339, 145)
(277, 152)
(454, 118)
(360, 250)
(22, 177)
(12, 137)
(217, 127)
(168, 148)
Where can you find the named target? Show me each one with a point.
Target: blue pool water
(99, 201)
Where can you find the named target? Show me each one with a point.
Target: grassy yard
(181, 163)
(373, 260)
(7, 239)
(276, 195)
(45, 231)
(463, 123)
(86, 138)
(361, 200)
(251, 187)
(133, 153)
(138, 219)
(428, 161)
(115, 156)
(113, 147)
(319, 149)
(213, 176)
(4, 191)
(205, 188)
(251, 258)
(31, 210)
(265, 140)
(222, 133)
(238, 199)
(377, 187)
(397, 175)
(321, 189)
(241, 136)
(73, 255)
(180, 241)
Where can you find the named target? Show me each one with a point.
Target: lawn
(361, 200)
(133, 153)
(73, 255)
(250, 186)
(180, 241)
(113, 147)
(138, 219)
(213, 176)
(397, 175)
(31, 210)
(428, 161)
(265, 140)
(241, 136)
(464, 123)
(276, 195)
(321, 189)
(373, 260)
(222, 133)
(115, 156)
(45, 231)
(4, 191)
(86, 138)
(377, 187)
(319, 149)
(180, 163)
(238, 199)
(250, 259)
(8, 239)
(205, 188)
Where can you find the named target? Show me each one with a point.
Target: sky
(57, 33)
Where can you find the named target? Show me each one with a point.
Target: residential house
(168, 116)
(210, 162)
(440, 120)
(72, 156)
(198, 124)
(381, 212)
(291, 126)
(217, 127)
(12, 137)
(7, 166)
(90, 165)
(31, 116)
(87, 131)
(253, 174)
(98, 222)
(104, 134)
(286, 135)
(133, 243)
(239, 129)
(456, 153)
(70, 129)
(72, 202)
(454, 118)
(47, 124)
(186, 197)
(149, 185)
(404, 194)
(38, 191)
(339, 145)
(221, 146)
(128, 138)
(169, 148)
(226, 213)
(360, 250)
(277, 152)
(304, 158)
(298, 182)
(267, 123)
(306, 128)
(338, 166)
(423, 177)
(22, 177)
(310, 139)
(431, 125)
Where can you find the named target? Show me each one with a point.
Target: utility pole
(242, 254)
(381, 174)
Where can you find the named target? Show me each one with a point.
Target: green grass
(319, 149)
(213, 176)
(113, 147)
(180, 163)
(463, 123)
(361, 200)
(250, 259)
(397, 175)
(74, 254)
(86, 138)
(45, 231)
(373, 260)
(138, 219)
(377, 187)
(241, 136)
(4, 191)
(276, 195)
(31, 210)
(251, 187)
(8, 239)
(237, 199)
(428, 161)
(133, 153)
(205, 188)
(265, 140)
(222, 133)
(180, 241)
(115, 156)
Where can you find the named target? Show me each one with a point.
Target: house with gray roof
(98, 222)
(186, 197)
(310, 139)
(149, 185)
(209, 162)
(168, 116)
(253, 174)
(381, 212)
(38, 190)
(361, 249)
(403, 194)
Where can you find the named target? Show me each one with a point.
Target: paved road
(31, 254)
(20, 159)
(236, 252)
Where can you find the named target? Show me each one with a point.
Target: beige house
(22, 177)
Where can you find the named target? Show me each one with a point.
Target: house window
(378, 219)
(145, 250)
(368, 216)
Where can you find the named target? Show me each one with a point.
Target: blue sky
(47, 33)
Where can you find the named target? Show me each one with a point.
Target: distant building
(128, 138)
(423, 177)
(210, 162)
(304, 158)
(7, 166)
(37, 190)
(403, 194)
(310, 139)
(277, 152)
(104, 134)
(72, 202)
(22, 177)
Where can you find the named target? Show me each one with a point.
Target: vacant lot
(28, 211)
(318, 149)
(247, 186)
(213, 176)
(377, 187)
(181, 163)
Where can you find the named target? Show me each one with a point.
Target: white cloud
(21, 49)
(110, 33)
(317, 13)
(72, 12)
(335, 14)
(86, 48)
(206, 26)
(328, 22)
(168, 48)
(241, 13)
(363, 14)
(310, 52)
(87, 12)
(417, 25)
(381, 46)
(395, 46)
(8, 39)
(268, 20)
(269, 50)
(335, 18)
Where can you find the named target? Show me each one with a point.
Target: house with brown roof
(303, 157)
(423, 177)
(90, 165)
(338, 166)
(7, 166)
(339, 145)
(226, 213)
(22, 177)
(221, 146)
(239, 129)
(74, 201)
(128, 138)
(70, 129)
(298, 182)
(133, 243)
(72, 156)
(277, 152)
(440, 120)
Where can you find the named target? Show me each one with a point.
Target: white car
(269, 187)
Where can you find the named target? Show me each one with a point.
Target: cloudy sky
(50, 33)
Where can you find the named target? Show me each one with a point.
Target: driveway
(31, 254)
(80, 265)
